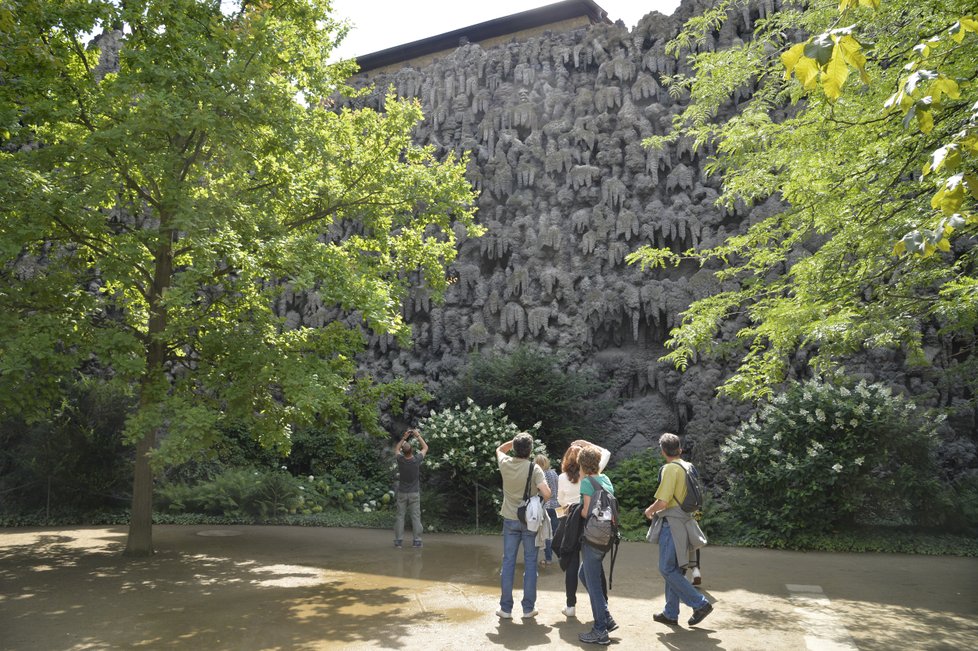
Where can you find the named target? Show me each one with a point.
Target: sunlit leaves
(868, 169)
(825, 59)
(169, 212)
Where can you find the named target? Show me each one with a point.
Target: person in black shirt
(409, 485)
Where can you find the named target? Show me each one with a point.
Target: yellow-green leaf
(835, 75)
(791, 57)
(971, 181)
(970, 143)
(807, 72)
(947, 86)
(925, 120)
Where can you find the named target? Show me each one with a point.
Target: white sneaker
(568, 611)
(532, 613)
(502, 614)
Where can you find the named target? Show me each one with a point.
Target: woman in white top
(568, 493)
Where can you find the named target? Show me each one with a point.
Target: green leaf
(820, 49)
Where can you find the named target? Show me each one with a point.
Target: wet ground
(252, 587)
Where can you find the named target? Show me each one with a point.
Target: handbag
(521, 509)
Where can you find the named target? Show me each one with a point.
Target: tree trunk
(140, 541)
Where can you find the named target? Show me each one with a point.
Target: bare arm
(586, 507)
(503, 450)
(424, 446)
(397, 446)
(655, 507)
(544, 489)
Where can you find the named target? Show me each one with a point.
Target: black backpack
(693, 501)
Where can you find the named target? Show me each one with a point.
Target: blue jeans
(515, 532)
(548, 551)
(592, 576)
(678, 588)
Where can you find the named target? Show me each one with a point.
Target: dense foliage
(823, 455)
(73, 461)
(265, 494)
(165, 192)
(635, 480)
(862, 117)
(464, 441)
(462, 457)
(535, 389)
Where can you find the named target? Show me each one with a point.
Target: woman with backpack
(569, 494)
(593, 482)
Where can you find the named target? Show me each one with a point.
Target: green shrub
(271, 493)
(568, 405)
(340, 454)
(75, 460)
(962, 513)
(464, 441)
(823, 455)
(463, 452)
(636, 478)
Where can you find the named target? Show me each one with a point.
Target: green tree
(863, 118)
(567, 405)
(162, 193)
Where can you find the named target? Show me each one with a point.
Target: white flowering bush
(823, 454)
(463, 441)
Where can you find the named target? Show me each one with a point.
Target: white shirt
(568, 492)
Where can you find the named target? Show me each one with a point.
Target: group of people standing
(569, 495)
(582, 472)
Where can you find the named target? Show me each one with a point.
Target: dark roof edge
(484, 31)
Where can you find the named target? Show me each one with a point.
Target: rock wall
(554, 125)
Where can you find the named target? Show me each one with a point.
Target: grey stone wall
(554, 126)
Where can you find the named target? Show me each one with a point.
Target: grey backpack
(693, 501)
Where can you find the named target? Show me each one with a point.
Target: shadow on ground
(307, 588)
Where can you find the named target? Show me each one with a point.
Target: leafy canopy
(862, 116)
(165, 194)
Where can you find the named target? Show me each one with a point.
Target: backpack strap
(597, 487)
(529, 475)
(614, 555)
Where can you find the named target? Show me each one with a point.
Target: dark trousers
(571, 579)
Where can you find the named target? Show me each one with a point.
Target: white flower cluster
(465, 440)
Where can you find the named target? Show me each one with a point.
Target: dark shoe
(699, 614)
(612, 624)
(593, 637)
(417, 543)
(398, 544)
(662, 619)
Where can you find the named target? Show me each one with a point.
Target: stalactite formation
(554, 125)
